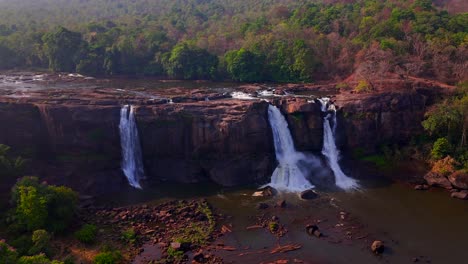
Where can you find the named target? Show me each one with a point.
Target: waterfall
(288, 175)
(132, 162)
(330, 150)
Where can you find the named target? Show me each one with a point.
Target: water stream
(329, 150)
(132, 162)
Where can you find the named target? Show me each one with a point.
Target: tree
(245, 66)
(189, 62)
(63, 48)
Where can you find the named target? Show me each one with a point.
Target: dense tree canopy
(289, 40)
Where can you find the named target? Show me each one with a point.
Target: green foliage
(39, 206)
(174, 255)
(110, 257)
(8, 166)
(62, 48)
(129, 235)
(273, 226)
(40, 239)
(7, 254)
(287, 41)
(37, 259)
(189, 62)
(441, 148)
(86, 234)
(244, 66)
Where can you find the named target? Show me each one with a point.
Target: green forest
(247, 41)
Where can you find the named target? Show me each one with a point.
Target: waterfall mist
(293, 166)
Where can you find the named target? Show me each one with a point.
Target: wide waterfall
(330, 150)
(132, 164)
(288, 175)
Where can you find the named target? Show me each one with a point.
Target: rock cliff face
(72, 138)
(228, 142)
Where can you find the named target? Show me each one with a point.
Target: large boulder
(463, 195)
(436, 179)
(459, 179)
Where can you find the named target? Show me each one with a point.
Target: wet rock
(463, 195)
(308, 194)
(199, 257)
(377, 247)
(265, 192)
(262, 206)
(435, 179)
(281, 203)
(313, 230)
(421, 187)
(459, 179)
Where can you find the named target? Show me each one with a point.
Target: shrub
(110, 257)
(129, 235)
(441, 148)
(273, 226)
(87, 234)
(445, 166)
(7, 254)
(38, 204)
(363, 87)
(174, 255)
(40, 239)
(37, 259)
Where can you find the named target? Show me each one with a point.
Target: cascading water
(330, 150)
(287, 176)
(132, 163)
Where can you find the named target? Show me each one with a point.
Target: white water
(288, 175)
(132, 164)
(242, 96)
(330, 150)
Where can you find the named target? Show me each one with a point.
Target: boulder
(463, 195)
(312, 229)
(281, 203)
(265, 192)
(435, 179)
(262, 206)
(421, 187)
(377, 247)
(459, 179)
(308, 194)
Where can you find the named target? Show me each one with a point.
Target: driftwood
(287, 248)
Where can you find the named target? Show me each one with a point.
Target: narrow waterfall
(330, 150)
(287, 176)
(132, 162)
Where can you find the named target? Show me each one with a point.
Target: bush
(37, 259)
(363, 87)
(129, 235)
(110, 257)
(7, 254)
(40, 206)
(441, 148)
(87, 234)
(40, 239)
(445, 166)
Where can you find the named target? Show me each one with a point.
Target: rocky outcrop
(76, 144)
(459, 179)
(370, 120)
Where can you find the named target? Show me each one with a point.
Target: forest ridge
(270, 40)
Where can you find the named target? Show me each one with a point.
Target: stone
(281, 203)
(199, 257)
(459, 179)
(308, 194)
(176, 245)
(310, 229)
(463, 195)
(262, 206)
(377, 247)
(435, 179)
(421, 187)
(265, 192)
